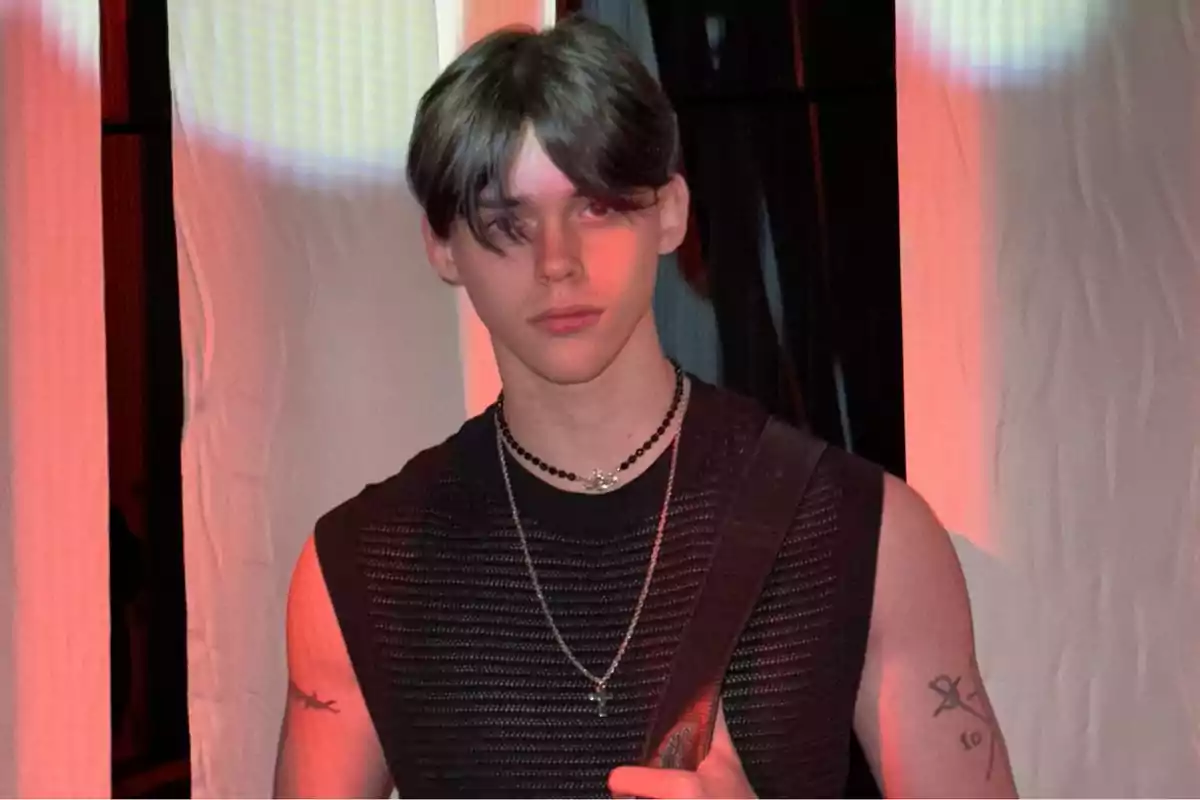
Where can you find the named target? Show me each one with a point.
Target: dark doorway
(151, 748)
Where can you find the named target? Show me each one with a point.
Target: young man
(498, 618)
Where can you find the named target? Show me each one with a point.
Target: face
(573, 284)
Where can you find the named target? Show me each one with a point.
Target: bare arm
(923, 716)
(327, 746)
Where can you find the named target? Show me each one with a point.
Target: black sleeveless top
(471, 696)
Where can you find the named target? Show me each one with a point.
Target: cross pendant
(600, 696)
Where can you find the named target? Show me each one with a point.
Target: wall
(54, 679)
(1050, 204)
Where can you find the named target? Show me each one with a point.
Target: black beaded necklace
(599, 480)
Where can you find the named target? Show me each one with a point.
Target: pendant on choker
(601, 481)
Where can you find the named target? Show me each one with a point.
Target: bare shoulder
(907, 514)
(917, 564)
(921, 609)
(314, 636)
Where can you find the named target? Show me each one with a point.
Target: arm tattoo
(311, 701)
(974, 704)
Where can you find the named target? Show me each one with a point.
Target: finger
(658, 784)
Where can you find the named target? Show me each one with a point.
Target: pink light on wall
(52, 301)
(946, 269)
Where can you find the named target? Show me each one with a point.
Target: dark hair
(600, 115)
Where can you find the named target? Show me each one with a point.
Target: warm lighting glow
(948, 311)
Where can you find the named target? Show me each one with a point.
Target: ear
(673, 200)
(439, 253)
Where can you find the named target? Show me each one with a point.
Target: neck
(598, 424)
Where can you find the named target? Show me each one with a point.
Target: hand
(720, 774)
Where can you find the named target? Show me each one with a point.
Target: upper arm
(328, 746)
(923, 716)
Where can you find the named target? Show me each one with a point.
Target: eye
(508, 226)
(598, 209)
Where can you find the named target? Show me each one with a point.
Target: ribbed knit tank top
(469, 692)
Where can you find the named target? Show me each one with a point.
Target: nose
(556, 254)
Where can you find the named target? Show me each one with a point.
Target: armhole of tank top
(860, 514)
(335, 541)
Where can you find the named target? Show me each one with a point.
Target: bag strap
(764, 507)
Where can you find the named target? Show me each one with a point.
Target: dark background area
(145, 398)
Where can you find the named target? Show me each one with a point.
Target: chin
(570, 363)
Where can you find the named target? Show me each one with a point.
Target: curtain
(1050, 198)
(789, 150)
(720, 302)
(320, 352)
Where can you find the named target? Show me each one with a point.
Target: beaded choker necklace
(599, 480)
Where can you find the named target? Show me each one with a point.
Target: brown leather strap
(763, 509)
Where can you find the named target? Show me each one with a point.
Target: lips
(567, 320)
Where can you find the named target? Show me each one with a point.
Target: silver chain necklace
(599, 694)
